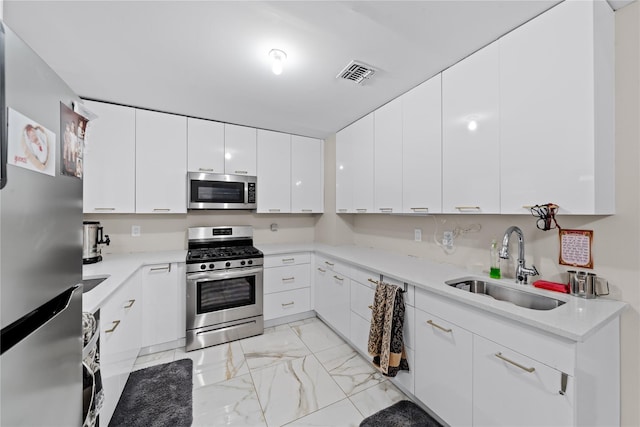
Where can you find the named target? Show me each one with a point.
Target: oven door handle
(223, 274)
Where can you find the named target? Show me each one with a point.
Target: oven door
(216, 297)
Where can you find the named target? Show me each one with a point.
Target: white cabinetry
(557, 111)
(471, 134)
(388, 157)
(307, 175)
(422, 148)
(344, 170)
(332, 294)
(240, 150)
(161, 162)
(120, 341)
(287, 285)
(205, 142)
(274, 172)
(110, 160)
(164, 302)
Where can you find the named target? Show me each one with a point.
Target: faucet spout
(522, 272)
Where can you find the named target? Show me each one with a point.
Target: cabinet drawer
(287, 303)
(332, 265)
(363, 276)
(406, 378)
(278, 279)
(287, 259)
(359, 333)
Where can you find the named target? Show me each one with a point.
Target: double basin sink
(503, 293)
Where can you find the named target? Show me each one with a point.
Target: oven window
(217, 192)
(216, 295)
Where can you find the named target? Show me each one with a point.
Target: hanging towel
(385, 335)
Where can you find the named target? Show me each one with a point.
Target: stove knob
(211, 266)
(228, 264)
(250, 262)
(242, 263)
(203, 266)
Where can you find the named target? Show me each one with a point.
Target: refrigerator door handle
(3, 115)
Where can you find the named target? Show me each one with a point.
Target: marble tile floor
(297, 374)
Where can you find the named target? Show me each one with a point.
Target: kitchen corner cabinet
(120, 341)
(388, 157)
(557, 111)
(164, 303)
(287, 285)
(240, 150)
(422, 148)
(205, 146)
(307, 175)
(274, 172)
(471, 134)
(110, 160)
(161, 162)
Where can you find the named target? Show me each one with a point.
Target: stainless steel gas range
(224, 286)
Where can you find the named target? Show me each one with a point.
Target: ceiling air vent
(357, 72)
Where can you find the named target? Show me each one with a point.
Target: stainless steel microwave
(220, 191)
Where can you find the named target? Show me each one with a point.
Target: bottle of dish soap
(494, 268)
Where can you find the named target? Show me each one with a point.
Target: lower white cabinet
(164, 303)
(287, 284)
(332, 297)
(510, 389)
(120, 341)
(287, 303)
(443, 372)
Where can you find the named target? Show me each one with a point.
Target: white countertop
(576, 320)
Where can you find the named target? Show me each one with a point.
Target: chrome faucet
(521, 270)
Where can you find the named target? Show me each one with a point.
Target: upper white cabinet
(363, 172)
(240, 150)
(161, 162)
(422, 148)
(388, 157)
(205, 141)
(471, 134)
(274, 172)
(557, 111)
(110, 160)
(344, 170)
(307, 175)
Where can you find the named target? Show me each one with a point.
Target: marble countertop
(576, 320)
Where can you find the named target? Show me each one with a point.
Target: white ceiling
(209, 59)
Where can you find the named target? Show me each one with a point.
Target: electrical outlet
(447, 239)
(135, 231)
(417, 235)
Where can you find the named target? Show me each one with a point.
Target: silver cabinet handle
(307, 210)
(338, 278)
(288, 279)
(524, 368)
(205, 169)
(321, 270)
(361, 210)
(375, 282)
(420, 209)
(563, 383)
(104, 209)
(168, 268)
(131, 302)
(435, 325)
(370, 307)
(386, 209)
(468, 208)
(329, 263)
(287, 304)
(274, 210)
(288, 259)
(342, 210)
(161, 209)
(242, 172)
(115, 326)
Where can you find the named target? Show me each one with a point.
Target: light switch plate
(135, 231)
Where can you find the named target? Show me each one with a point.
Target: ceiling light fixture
(277, 61)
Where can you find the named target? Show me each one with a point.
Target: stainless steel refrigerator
(40, 255)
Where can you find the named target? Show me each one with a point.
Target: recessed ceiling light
(278, 57)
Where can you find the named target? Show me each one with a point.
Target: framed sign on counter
(575, 248)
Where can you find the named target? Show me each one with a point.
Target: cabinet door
(109, 181)
(322, 290)
(557, 142)
(422, 148)
(443, 374)
(163, 301)
(240, 150)
(471, 138)
(363, 172)
(161, 162)
(205, 144)
(307, 175)
(274, 172)
(344, 170)
(339, 314)
(388, 157)
(517, 390)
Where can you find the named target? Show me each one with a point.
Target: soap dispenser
(494, 268)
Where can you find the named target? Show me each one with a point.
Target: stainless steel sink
(93, 281)
(503, 293)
